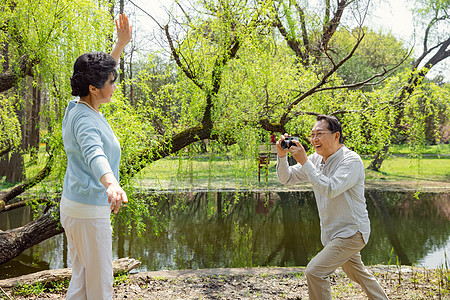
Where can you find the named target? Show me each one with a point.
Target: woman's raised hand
(124, 33)
(124, 30)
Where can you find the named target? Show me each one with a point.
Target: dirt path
(269, 283)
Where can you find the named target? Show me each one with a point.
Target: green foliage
(52, 34)
(134, 137)
(26, 289)
(41, 287)
(121, 278)
(263, 82)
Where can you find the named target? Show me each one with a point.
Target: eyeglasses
(319, 134)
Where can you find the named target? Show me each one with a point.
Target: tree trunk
(111, 12)
(119, 266)
(12, 166)
(11, 77)
(14, 241)
(34, 125)
(378, 159)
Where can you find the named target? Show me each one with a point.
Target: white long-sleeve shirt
(339, 190)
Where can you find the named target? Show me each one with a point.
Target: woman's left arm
(124, 33)
(116, 195)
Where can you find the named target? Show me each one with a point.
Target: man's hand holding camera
(286, 144)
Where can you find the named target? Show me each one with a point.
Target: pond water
(249, 229)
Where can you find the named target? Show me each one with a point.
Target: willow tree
(433, 17)
(285, 59)
(313, 31)
(237, 74)
(216, 34)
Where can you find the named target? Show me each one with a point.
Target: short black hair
(333, 125)
(91, 68)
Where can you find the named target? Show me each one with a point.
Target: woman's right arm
(124, 33)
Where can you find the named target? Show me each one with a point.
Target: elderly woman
(91, 188)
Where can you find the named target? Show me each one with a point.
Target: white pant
(90, 249)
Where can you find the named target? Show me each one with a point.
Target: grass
(429, 149)
(122, 278)
(205, 173)
(224, 172)
(405, 168)
(41, 287)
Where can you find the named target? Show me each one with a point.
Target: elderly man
(337, 176)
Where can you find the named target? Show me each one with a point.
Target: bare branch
(157, 23)
(367, 82)
(427, 31)
(184, 12)
(322, 82)
(301, 14)
(330, 26)
(176, 56)
(20, 188)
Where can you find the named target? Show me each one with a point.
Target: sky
(393, 15)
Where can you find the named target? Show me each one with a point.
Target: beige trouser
(341, 252)
(90, 249)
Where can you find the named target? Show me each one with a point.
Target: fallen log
(121, 265)
(14, 241)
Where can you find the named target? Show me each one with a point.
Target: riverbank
(267, 283)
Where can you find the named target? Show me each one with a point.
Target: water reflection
(414, 226)
(225, 229)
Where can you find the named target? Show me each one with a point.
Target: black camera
(288, 142)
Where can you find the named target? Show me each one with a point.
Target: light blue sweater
(92, 150)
